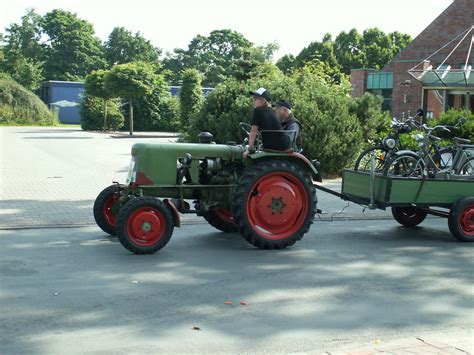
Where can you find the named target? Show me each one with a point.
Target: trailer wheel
(274, 204)
(106, 208)
(144, 225)
(408, 216)
(461, 220)
(221, 219)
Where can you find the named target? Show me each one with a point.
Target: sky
(293, 24)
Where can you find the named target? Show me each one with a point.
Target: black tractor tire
(274, 204)
(461, 220)
(220, 221)
(144, 225)
(106, 209)
(363, 161)
(408, 216)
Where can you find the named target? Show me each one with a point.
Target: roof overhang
(446, 77)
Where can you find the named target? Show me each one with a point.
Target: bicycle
(389, 145)
(432, 160)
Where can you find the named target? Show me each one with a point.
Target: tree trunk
(105, 114)
(130, 106)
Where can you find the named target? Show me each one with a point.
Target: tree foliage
(350, 50)
(73, 51)
(123, 47)
(23, 53)
(375, 123)
(217, 56)
(331, 132)
(190, 95)
(154, 111)
(94, 85)
(451, 117)
(131, 81)
(92, 113)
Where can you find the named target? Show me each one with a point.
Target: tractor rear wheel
(144, 225)
(222, 219)
(274, 204)
(106, 207)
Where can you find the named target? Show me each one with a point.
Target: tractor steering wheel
(246, 128)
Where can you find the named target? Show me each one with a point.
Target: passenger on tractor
(289, 123)
(265, 121)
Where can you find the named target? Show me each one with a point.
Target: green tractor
(268, 198)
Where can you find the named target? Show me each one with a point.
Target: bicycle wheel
(363, 161)
(467, 168)
(404, 165)
(444, 157)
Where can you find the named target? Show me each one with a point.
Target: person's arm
(293, 127)
(253, 136)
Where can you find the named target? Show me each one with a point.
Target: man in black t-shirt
(266, 121)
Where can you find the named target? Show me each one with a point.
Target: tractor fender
(174, 212)
(297, 158)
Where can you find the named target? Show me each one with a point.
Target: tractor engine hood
(155, 164)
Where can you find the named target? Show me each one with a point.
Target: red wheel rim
(277, 205)
(108, 210)
(146, 226)
(224, 214)
(466, 221)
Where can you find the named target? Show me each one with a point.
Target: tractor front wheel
(274, 204)
(144, 225)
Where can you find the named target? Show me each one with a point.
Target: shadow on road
(343, 277)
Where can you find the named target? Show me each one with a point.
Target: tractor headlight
(389, 143)
(132, 171)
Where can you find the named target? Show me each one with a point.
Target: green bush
(451, 117)
(18, 106)
(330, 132)
(157, 111)
(92, 113)
(374, 121)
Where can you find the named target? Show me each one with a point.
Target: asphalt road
(346, 284)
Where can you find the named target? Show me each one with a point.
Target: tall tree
(131, 81)
(349, 50)
(24, 52)
(73, 50)
(213, 56)
(94, 85)
(123, 46)
(190, 95)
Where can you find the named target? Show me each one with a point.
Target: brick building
(434, 72)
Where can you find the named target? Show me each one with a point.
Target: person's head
(283, 109)
(261, 97)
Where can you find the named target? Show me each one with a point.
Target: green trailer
(412, 199)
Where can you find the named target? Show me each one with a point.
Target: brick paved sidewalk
(50, 176)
